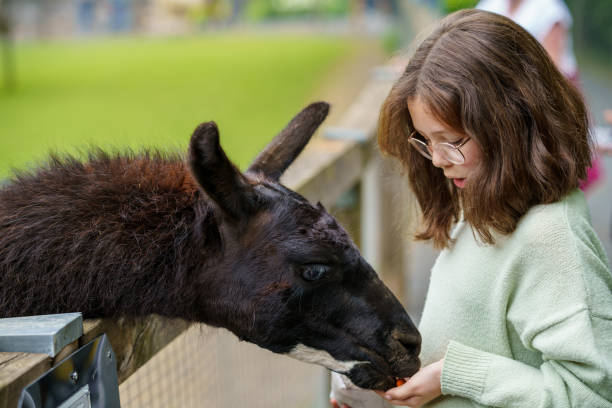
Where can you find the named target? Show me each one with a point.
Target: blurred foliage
(449, 6)
(133, 92)
(593, 25)
(270, 9)
(392, 40)
(202, 14)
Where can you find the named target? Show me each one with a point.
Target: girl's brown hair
(484, 76)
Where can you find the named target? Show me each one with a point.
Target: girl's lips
(459, 182)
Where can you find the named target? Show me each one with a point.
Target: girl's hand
(419, 389)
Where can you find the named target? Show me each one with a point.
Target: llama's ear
(216, 175)
(288, 144)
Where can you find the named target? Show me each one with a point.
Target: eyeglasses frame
(429, 156)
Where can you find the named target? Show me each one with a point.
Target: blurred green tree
(267, 9)
(593, 25)
(448, 6)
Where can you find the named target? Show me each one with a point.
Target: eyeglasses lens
(447, 152)
(421, 147)
(452, 155)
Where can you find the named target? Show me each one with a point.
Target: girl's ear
(216, 175)
(288, 144)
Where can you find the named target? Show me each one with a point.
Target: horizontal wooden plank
(17, 370)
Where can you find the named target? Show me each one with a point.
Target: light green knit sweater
(526, 322)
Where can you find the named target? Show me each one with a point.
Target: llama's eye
(314, 272)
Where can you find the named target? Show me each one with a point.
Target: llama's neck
(164, 269)
(108, 238)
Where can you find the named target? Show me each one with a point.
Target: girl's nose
(438, 160)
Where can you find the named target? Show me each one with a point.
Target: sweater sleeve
(573, 374)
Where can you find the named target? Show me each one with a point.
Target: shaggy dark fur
(115, 235)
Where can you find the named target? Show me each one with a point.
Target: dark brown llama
(134, 234)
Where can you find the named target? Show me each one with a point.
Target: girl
(495, 142)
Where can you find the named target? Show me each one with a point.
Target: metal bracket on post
(85, 379)
(47, 334)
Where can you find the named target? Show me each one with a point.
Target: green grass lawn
(153, 92)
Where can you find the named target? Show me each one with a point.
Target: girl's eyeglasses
(448, 151)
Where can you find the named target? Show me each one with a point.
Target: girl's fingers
(405, 398)
(413, 402)
(398, 393)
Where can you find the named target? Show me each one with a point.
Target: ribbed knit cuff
(465, 371)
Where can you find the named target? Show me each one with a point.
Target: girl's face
(435, 132)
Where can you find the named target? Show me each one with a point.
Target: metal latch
(87, 378)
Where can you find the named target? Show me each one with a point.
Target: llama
(134, 234)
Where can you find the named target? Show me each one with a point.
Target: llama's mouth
(367, 376)
(408, 369)
(364, 374)
(380, 374)
(375, 377)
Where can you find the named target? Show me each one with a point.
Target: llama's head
(293, 280)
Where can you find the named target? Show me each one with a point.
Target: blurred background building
(44, 18)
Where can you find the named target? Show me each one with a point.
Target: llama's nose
(408, 336)
(411, 342)
(406, 349)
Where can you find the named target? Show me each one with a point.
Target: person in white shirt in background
(549, 21)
